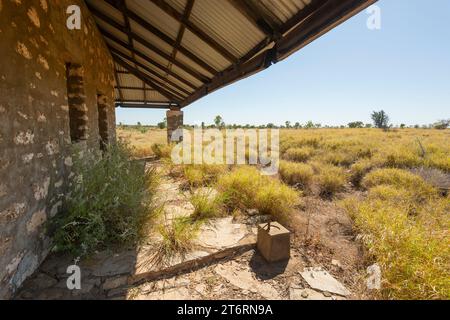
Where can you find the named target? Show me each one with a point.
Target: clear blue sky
(404, 69)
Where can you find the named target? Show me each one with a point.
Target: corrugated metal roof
(173, 52)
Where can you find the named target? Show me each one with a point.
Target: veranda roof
(174, 52)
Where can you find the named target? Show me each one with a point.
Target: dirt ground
(322, 237)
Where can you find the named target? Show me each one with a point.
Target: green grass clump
(296, 174)
(330, 179)
(162, 151)
(203, 175)
(177, 237)
(245, 188)
(110, 202)
(206, 204)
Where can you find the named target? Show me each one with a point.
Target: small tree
(380, 119)
(442, 124)
(288, 124)
(218, 121)
(297, 125)
(162, 125)
(309, 125)
(356, 124)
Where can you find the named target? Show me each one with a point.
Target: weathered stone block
(174, 122)
(274, 242)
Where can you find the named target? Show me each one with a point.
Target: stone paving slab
(243, 278)
(320, 279)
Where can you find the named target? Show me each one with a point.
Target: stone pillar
(174, 122)
(77, 103)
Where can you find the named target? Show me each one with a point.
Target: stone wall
(36, 144)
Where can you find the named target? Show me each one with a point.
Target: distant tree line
(380, 120)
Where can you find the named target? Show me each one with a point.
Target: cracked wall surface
(35, 140)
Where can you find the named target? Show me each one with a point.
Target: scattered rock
(336, 263)
(253, 212)
(319, 279)
(306, 294)
(373, 282)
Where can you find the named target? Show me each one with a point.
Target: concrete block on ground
(274, 242)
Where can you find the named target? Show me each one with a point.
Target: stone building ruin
(60, 86)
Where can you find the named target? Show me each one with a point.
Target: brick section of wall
(103, 107)
(174, 122)
(35, 134)
(78, 110)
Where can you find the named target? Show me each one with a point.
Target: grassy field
(399, 180)
(142, 139)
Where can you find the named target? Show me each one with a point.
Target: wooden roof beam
(148, 45)
(134, 88)
(195, 30)
(138, 105)
(145, 57)
(150, 28)
(187, 14)
(151, 82)
(258, 17)
(150, 71)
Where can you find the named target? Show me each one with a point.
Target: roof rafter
(146, 58)
(135, 88)
(150, 71)
(151, 82)
(187, 13)
(164, 6)
(258, 17)
(140, 105)
(152, 29)
(149, 46)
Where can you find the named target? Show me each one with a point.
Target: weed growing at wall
(110, 202)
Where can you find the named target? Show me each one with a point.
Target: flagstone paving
(222, 265)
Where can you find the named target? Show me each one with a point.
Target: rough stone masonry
(56, 95)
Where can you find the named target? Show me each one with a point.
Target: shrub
(245, 188)
(296, 174)
(110, 202)
(330, 180)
